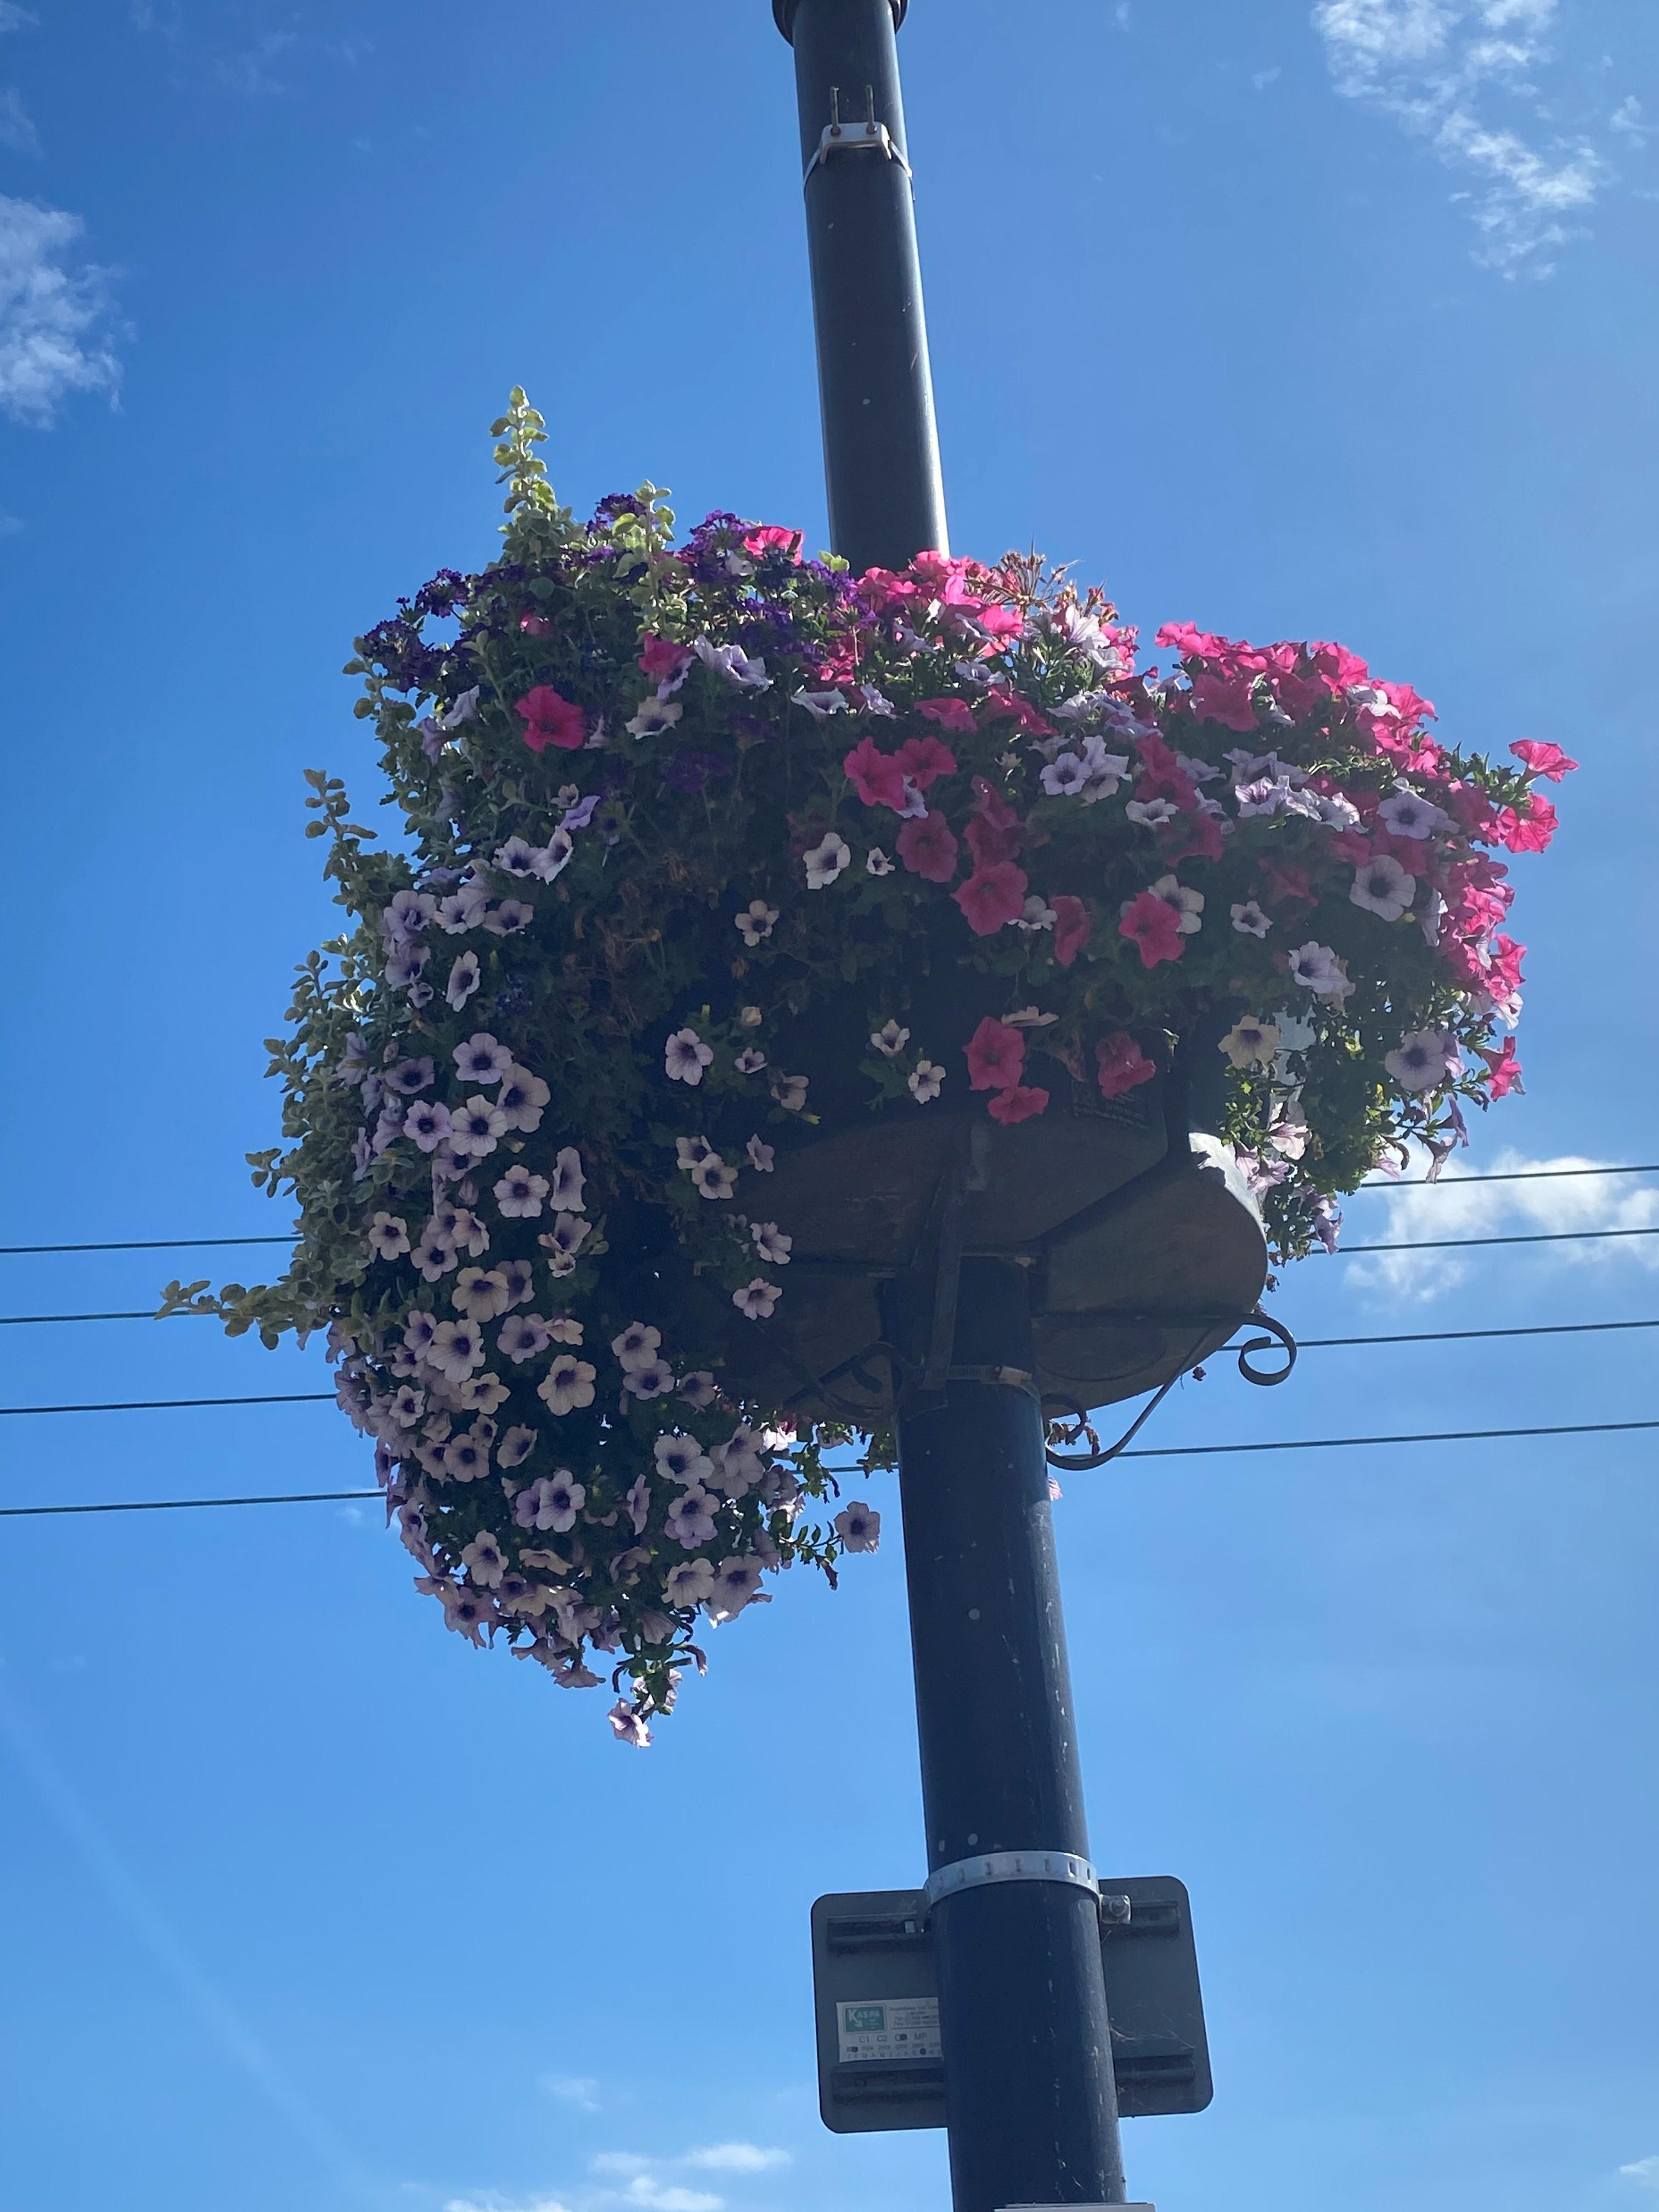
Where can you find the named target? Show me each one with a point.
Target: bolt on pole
(1032, 2108)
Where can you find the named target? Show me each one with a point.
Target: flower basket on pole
(749, 934)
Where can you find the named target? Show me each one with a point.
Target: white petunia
(654, 717)
(652, 1378)
(568, 1181)
(564, 1330)
(890, 1040)
(858, 1526)
(699, 1390)
(789, 1092)
(691, 1150)
(388, 1236)
(521, 1099)
(477, 1129)
(564, 1241)
(1248, 919)
(771, 1243)
(638, 1344)
(520, 1278)
(820, 705)
(1150, 813)
(686, 1056)
(522, 1337)
(1423, 1058)
(1188, 905)
(482, 1394)
(1038, 914)
(875, 862)
(755, 1300)
(464, 909)
(515, 1447)
(464, 1459)
(551, 859)
(1064, 777)
(749, 1061)
(711, 1178)
(456, 1347)
(507, 919)
(747, 672)
(1317, 968)
(926, 1082)
(1250, 1044)
(737, 1584)
(1408, 816)
(480, 1294)
(825, 861)
(515, 858)
(761, 1156)
(691, 1518)
(757, 921)
(682, 1460)
(482, 1060)
(462, 981)
(691, 1583)
(520, 1193)
(550, 1503)
(1382, 887)
(427, 1123)
(568, 1383)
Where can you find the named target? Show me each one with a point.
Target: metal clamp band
(867, 138)
(1064, 1867)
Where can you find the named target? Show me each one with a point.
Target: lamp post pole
(1030, 2103)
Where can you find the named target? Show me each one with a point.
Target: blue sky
(1292, 321)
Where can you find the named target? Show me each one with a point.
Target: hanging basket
(753, 935)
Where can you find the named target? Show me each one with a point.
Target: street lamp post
(1030, 2103)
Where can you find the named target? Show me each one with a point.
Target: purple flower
(515, 1447)
(410, 1077)
(755, 1300)
(482, 1060)
(427, 1123)
(551, 1502)
(737, 1583)
(686, 1056)
(565, 1182)
(691, 1518)
(628, 1723)
(858, 1526)
(691, 772)
(523, 1337)
(462, 981)
(578, 816)
(653, 1378)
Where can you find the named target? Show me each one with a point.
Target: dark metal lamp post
(1029, 2097)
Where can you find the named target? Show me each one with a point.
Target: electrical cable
(1304, 1344)
(1154, 1451)
(1540, 1237)
(1505, 1175)
(1405, 1182)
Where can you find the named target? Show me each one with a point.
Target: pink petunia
(1529, 832)
(928, 849)
(949, 713)
(996, 1056)
(924, 760)
(1152, 926)
(663, 659)
(1185, 639)
(1121, 1065)
(878, 777)
(1019, 1102)
(1227, 700)
(1072, 927)
(992, 897)
(1506, 1069)
(551, 719)
(772, 537)
(1543, 758)
(1002, 705)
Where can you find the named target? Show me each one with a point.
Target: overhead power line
(205, 1243)
(1537, 1236)
(1304, 1344)
(144, 1245)
(1163, 1451)
(1505, 1175)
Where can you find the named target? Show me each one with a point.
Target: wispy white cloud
(56, 315)
(17, 131)
(1644, 2170)
(1457, 1206)
(578, 2089)
(736, 2158)
(490, 2203)
(13, 18)
(1476, 78)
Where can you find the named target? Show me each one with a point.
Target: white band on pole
(1011, 1866)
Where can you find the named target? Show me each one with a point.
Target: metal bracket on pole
(1065, 1866)
(869, 137)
